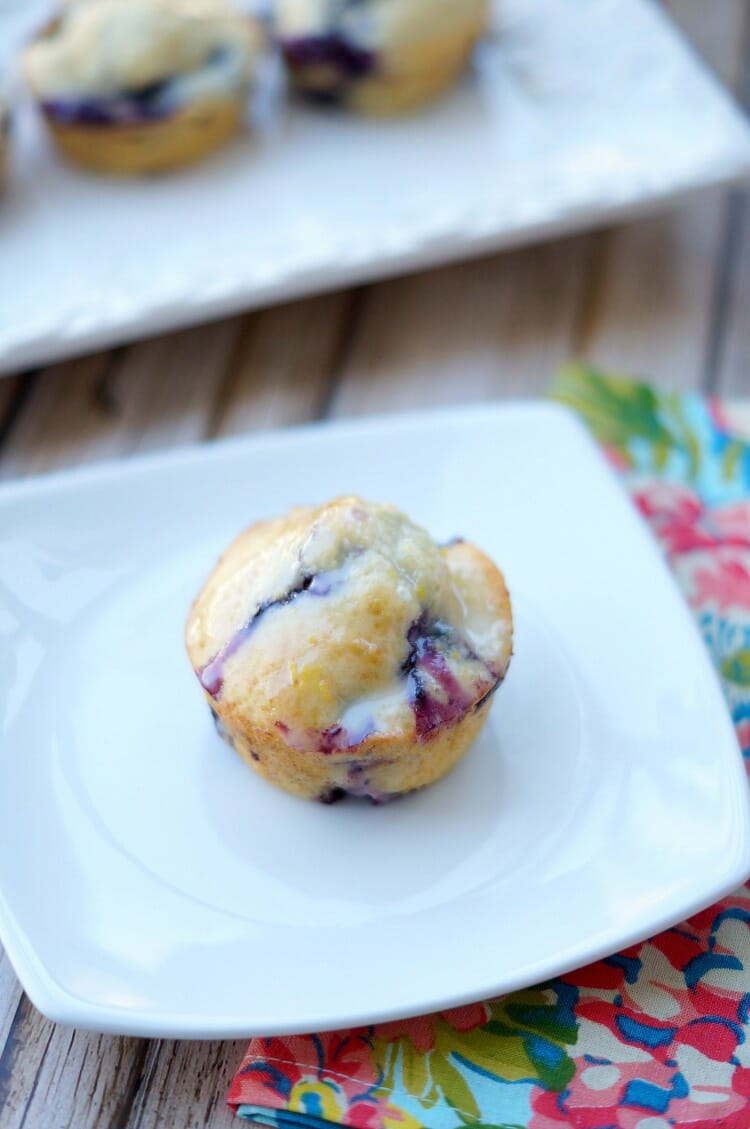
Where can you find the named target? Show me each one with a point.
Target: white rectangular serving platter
(578, 111)
(152, 884)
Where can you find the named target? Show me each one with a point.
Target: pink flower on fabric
(733, 521)
(660, 1028)
(683, 524)
(675, 513)
(724, 582)
(421, 1031)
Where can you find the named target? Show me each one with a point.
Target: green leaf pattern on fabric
(524, 1038)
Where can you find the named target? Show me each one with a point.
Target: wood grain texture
(492, 328)
(141, 398)
(9, 999)
(283, 364)
(185, 1084)
(648, 311)
(732, 375)
(55, 1077)
(730, 370)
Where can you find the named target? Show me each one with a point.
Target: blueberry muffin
(138, 86)
(343, 652)
(378, 56)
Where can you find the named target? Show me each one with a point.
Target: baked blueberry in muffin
(343, 652)
(380, 56)
(140, 86)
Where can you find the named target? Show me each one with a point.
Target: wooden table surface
(665, 297)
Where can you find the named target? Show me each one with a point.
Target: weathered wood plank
(282, 366)
(10, 1000)
(55, 1077)
(731, 312)
(145, 397)
(8, 996)
(732, 377)
(649, 305)
(496, 327)
(185, 1084)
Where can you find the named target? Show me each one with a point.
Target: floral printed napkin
(657, 1035)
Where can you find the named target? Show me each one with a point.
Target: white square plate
(151, 884)
(579, 110)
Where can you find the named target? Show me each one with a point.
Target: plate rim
(64, 1007)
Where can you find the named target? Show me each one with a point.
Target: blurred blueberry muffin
(343, 652)
(378, 56)
(140, 86)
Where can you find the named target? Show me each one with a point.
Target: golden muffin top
(343, 621)
(104, 47)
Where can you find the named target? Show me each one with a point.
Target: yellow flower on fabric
(318, 1098)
